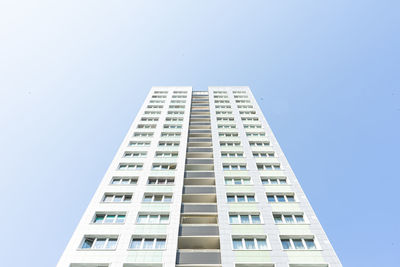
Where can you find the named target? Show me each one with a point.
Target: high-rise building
(199, 180)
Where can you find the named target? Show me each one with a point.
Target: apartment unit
(199, 180)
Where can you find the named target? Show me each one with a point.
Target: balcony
(199, 181)
(200, 160)
(198, 242)
(198, 190)
(198, 258)
(198, 208)
(199, 219)
(199, 198)
(197, 131)
(199, 149)
(199, 174)
(199, 167)
(203, 230)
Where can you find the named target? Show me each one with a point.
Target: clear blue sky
(73, 75)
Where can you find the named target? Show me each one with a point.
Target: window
(259, 143)
(170, 134)
(273, 180)
(154, 198)
(240, 198)
(172, 126)
(131, 154)
(130, 167)
(286, 218)
(150, 218)
(225, 119)
(255, 134)
(245, 106)
(148, 243)
(134, 143)
(174, 119)
(143, 134)
(244, 218)
(228, 134)
(168, 143)
(94, 243)
(234, 167)
(117, 197)
(146, 126)
(250, 243)
(247, 112)
(164, 167)
(157, 101)
(249, 119)
(152, 112)
(228, 126)
(229, 143)
(166, 154)
(268, 167)
(177, 106)
(176, 112)
(149, 119)
(155, 106)
(161, 92)
(252, 126)
(223, 112)
(222, 106)
(180, 92)
(159, 96)
(237, 180)
(231, 154)
(112, 218)
(160, 181)
(280, 198)
(298, 243)
(264, 154)
(124, 180)
(178, 101)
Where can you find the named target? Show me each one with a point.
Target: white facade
(199, 180)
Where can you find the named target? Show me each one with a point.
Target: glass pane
(237, 181)
(288, 218)
(298, 244)
(264, 181)
(125, 181)
(135, 244)
(278, 218)
(109, 219)
(167, 198)
(147, 198)
(120, 219)
(250, 243)
(115, 181)
(88, 243)
(280, 198)
(112, 243)
(282, 181)
(127, 198)
(153, 219)
(245, 219)
(286, 244)
(160, 244)
(148, 243)
(142, 219)
(299, 218)
(228, 181)
(237, 244)
(246, 181)
(157, 198)
(164, 218)
(240, 198)
(99, 218)
(271, 198)
(255, 219)
(250, 199)
(117, 198)
(233, 219)
(290, 198)
(231, 199)
(262, 243)
(274, 181)
(310, 244)
(108, 198)
(99, 244)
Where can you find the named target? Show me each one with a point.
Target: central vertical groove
(198, 240)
